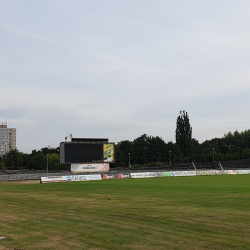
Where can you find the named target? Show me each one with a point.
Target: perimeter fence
(18, 175)
(37, 176)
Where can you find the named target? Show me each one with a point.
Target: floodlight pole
(47, 163)
(213, 154)
(129, 160)
(229, 147)
(170, 156)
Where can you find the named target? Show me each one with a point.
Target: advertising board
(108, 153)
(209, 172)
(158, 174)
(117, 175)
(51, 179)
(144, 175)
(165, 174)
(221, 172)
(108, 176)
(95, 167)
(183, 173)
(238, 171)
(124, 176)
(244, 171)
(233, 172)
(93, 177)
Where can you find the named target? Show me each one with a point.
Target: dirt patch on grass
(20, 182)
(4, 248)
(8, 218)
(144, 247)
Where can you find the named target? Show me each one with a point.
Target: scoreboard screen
(71, 152)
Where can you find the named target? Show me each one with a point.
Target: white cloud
(18, 32)
(24, 120)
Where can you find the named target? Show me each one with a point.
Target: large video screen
(86, 153)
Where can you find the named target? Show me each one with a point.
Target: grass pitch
(201, 212)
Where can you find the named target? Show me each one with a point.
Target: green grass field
(202, 212)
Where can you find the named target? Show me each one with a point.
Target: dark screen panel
(81, 153)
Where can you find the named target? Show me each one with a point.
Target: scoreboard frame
(87, 152)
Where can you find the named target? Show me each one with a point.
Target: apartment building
(7, 139)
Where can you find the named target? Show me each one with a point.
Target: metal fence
(19, 177)
(8, 176)
(11, 175)
(37, 176)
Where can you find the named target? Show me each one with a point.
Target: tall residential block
(7, 139)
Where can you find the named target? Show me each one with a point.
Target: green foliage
(15, 159)
(37, 160)
(148, 150)
(54, 162)
(50, 150)
(183, 134)
(122, 150)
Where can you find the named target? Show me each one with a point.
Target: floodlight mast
(229, 147)
(70, 136)
(47, 162)
(129, 160)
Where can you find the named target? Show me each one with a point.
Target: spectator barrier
(115, 175)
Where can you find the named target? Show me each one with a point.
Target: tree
(149, 149)
(183, 134)
(18, 158)
(38, 162)
(54, 162)
(142, 148)
(123, 149)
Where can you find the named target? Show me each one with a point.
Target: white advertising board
(90, 177)
(92, 167)
(220, 172)
(144, 175)
(233, 172)
(244, 171)
(183, 173)
(210, 172)
(53, 179)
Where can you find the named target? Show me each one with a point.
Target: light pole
(170, 156)
(129, 160)
(47, 163)
(213, 154)
(229, 150)
(229, 147)
(4, 146)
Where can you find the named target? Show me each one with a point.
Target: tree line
(37, 160)
(153, 151)
(148, 150)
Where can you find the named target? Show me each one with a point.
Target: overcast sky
(119, 69)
